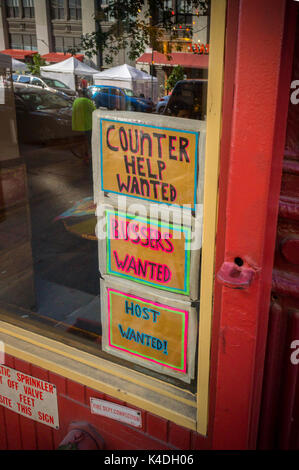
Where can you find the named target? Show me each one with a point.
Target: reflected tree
(134, 25)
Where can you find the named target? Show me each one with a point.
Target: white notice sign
(113, 411)
(29, 396)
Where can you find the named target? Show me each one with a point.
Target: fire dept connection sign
(29, 396)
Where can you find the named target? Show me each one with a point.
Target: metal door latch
(237, 277)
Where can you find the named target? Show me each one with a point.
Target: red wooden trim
(290, 391)
(282, 105)
(231, 40)
(272, 377)
(243, 313)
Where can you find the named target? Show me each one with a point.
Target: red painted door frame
(255, 102)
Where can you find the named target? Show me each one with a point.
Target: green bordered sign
(148, 251)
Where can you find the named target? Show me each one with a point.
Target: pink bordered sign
(152, 331)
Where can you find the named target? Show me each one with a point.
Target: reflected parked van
(188, 99)
(50, 84)
(112, 97)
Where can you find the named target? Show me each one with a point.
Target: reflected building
(54, 27)
(50, 27)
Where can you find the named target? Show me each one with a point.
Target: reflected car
(188, 99)
(112, 97)
(42, 115)
(46, 83)
(161, 105)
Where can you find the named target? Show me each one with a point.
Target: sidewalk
(65, 265)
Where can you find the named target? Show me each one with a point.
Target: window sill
(135, 388)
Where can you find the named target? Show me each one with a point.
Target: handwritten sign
(149, 330)
(148, 162)
(29, 396)
(148, 251)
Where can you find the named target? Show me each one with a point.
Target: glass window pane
(16, 41)
(65, 249)
(29, 42)
(12, 8)
(75, 9)
(57, 9)
(28, 8)
(36, 81)
(68, 42)
(33, 42)
(58, 44)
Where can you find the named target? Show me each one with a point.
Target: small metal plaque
(117, 412)
(29, 396)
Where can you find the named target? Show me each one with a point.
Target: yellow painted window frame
(150, 394)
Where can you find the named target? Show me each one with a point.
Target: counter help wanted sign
(148, 162)
(159, 162)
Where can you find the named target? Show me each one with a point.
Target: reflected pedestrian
(82, 110)
(83, 84)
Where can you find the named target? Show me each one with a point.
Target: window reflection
(57, 9)
(48, 247)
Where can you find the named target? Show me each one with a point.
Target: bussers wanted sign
(148, 252)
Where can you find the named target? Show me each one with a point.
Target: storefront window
(121, 284)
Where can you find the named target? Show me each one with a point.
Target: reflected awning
(18, 53)
(56, 57)
(185, 59)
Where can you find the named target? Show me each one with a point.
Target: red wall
(246, 229)
(21, 433)
(279, 420)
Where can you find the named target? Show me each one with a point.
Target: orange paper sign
(148, 162)
(148, 251)
(155, 332)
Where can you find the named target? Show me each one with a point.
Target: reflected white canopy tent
(126, 76)
(67, 70)
(18, 66)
